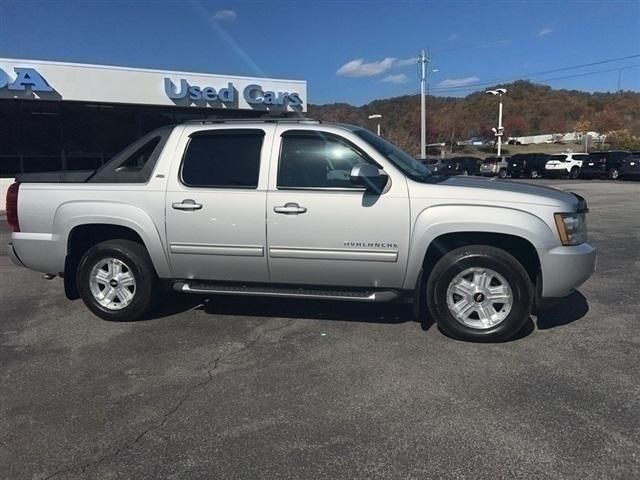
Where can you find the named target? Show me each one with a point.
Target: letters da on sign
(26, 78)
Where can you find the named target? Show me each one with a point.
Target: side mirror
(370, 177)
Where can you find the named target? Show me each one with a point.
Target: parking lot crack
(211, 368)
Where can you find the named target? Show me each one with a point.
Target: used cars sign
(58, 81)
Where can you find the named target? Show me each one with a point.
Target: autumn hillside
(529, 109)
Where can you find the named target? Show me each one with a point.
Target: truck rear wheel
(116, 280)
(479, 293)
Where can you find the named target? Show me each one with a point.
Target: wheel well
(81, 239)
(520, 248)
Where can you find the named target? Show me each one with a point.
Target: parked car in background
(528, 165)
(436, 165)
(604, 164)
(630, 169)
(565, 165)
(463, 166)
(492, 166)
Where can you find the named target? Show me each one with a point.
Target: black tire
(136, 258)
(460, 259)
(574, 173)
(614, 173)
(502, 174)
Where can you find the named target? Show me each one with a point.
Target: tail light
(12, 207)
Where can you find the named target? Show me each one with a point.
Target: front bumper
(566, 268)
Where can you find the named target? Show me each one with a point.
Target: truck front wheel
(116, 280)
(479, 293)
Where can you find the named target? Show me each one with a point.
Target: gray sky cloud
(397, 79)
(360, 68)
(458, 82)
(228, 15)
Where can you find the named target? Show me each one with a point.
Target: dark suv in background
(630, 169)
(528, 165)
(463, 166)
(603, 164)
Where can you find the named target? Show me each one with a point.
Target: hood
(502, 191)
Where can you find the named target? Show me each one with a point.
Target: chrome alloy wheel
(112, 283)
(479, 298)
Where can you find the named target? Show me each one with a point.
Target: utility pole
(498, 133)
(376, 116)
(423, 60)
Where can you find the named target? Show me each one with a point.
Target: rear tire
(497, 305)
(502, 174)
(116, 280)
(614, 174)
(574, 173)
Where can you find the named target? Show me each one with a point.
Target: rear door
(215, 204)
(321, 229)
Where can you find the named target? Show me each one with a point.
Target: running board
(289, 292)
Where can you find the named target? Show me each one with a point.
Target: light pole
(376, 116)
(498, 133)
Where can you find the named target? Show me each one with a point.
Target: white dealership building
(70, 116)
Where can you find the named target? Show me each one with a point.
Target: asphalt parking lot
(247, 388)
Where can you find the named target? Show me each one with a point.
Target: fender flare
(439, 220)
(73, 214)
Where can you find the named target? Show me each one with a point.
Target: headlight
(572, 227)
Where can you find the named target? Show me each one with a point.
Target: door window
(317, 160)
(227, 158)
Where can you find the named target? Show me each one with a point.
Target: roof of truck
(269, 119)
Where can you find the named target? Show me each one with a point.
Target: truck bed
(80, 176)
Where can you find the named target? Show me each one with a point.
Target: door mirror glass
(370, 177)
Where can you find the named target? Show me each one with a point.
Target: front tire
(614, 174)
(534, 174)
(502, 174)
(116, 280)
(574, 173)
(479, 293)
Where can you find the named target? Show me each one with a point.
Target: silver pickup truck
(299, 208)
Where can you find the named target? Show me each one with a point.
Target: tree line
(529, 109)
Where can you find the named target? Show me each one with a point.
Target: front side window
(223, 159)
(317, 160)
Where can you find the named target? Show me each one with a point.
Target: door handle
(290, 209)
(187, 204)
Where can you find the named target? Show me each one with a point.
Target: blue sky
(348, 51)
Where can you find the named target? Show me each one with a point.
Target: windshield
(405, 162)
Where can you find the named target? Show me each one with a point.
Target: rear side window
(317, 160)
(140, 157)
(223, 159)
(561, 158)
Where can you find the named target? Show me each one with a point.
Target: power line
(535, 74)
(472, 89)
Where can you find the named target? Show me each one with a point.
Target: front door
(215, 204)
(322, 230)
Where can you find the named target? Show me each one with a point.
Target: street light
(498, 133)
(378, 117)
